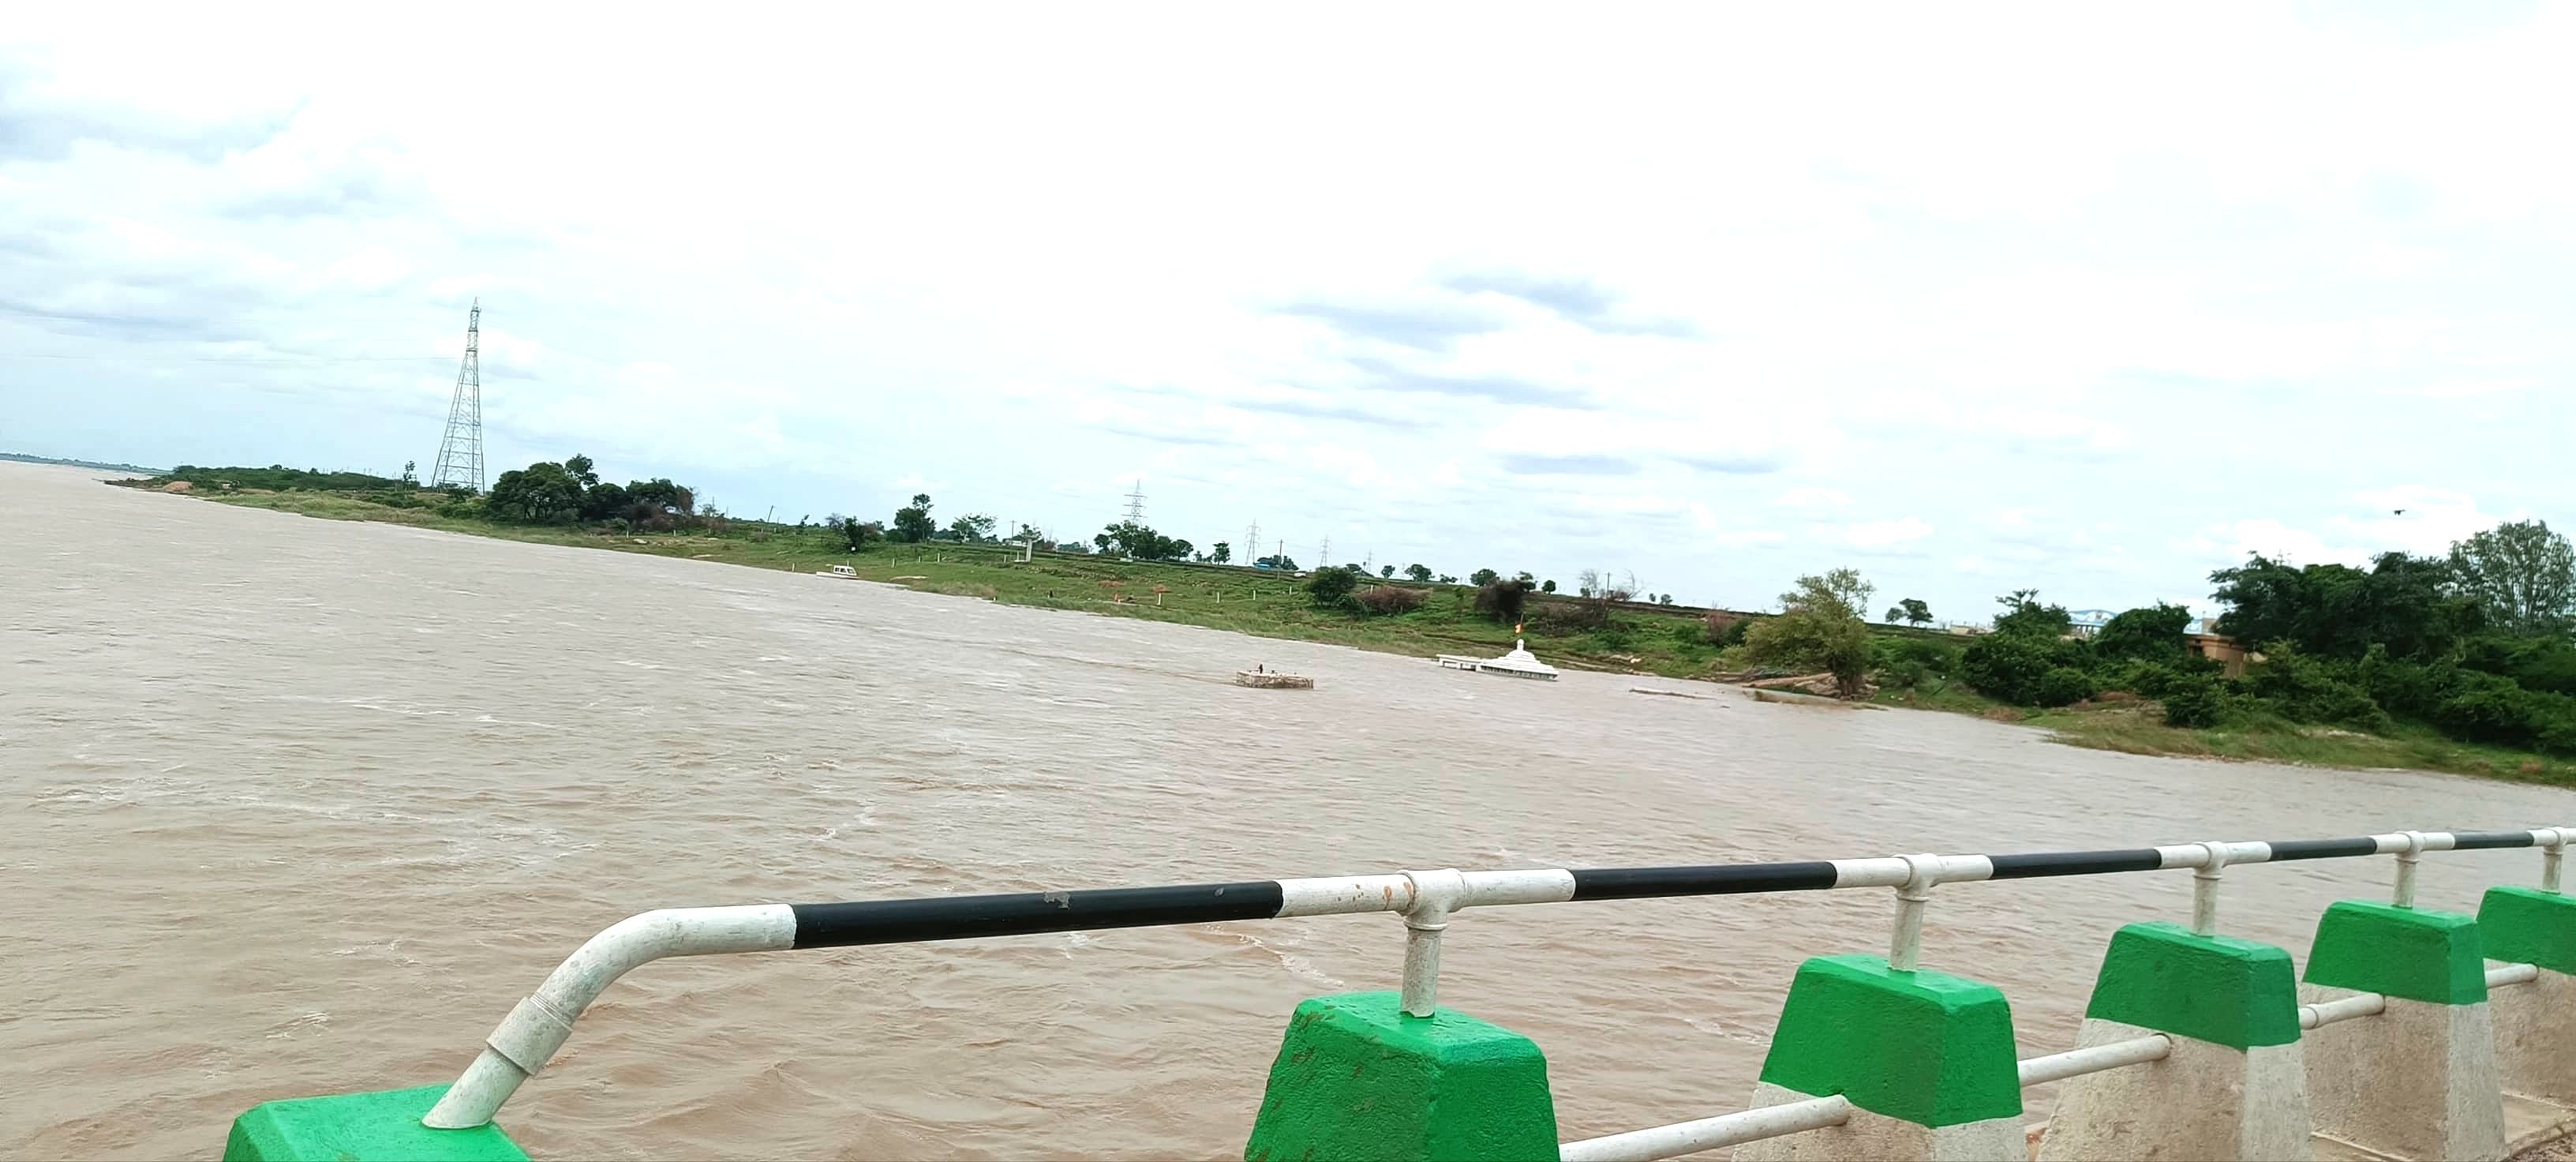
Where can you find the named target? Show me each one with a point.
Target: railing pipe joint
(2204, 887)
(1435, 895)
(1905, 945)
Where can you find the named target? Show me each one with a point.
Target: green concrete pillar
(2233, 1086)
(2535, 1022)
(383, 1126)
(2418, 1080)
(1359, 1080)
(1926, 1060)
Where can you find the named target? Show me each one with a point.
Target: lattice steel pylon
(460, 452)
(1136, 505)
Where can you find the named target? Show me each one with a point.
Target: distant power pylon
(460, 452)
(1136, 505)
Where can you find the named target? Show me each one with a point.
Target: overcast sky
(2090, 298)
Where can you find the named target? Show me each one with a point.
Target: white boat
(1519, 663)
(844, 572)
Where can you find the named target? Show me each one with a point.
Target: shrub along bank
(2415, 650)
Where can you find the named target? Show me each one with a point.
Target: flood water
(298, 807)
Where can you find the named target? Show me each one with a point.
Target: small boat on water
(844, 572)
(1519, 663)
(1264, 678)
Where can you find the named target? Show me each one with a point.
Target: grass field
(1249, 601)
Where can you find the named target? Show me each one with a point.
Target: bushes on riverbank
(2411, 640)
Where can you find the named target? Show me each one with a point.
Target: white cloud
(2467, 388)
(1882, 533)
(1813, 498)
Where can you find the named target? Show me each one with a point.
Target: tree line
(2478, 643)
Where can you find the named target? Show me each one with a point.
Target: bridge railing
(1427, 901)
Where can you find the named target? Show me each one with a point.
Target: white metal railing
(528, 1038)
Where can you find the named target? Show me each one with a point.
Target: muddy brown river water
(297, 806)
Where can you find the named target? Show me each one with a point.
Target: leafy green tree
(411, 472)
(1448, 579)
(2408, 605)
(1820, 628)
(2024, 614)
(1418, 571)
(604, 501)
(1138, 542)
(1280, 561)
(1502, 600)
(2197, 703)
(1221, 552)
(1547, 586)
(541, 493)
(2522, 574)
(857, 535)
(1483, 577)
(1331, 587)
(912, 523)
(1916, 612)
(581, 470)
(973, 528)
(662, 497)
(2152, 634)
(1386, 570)
(2017, 667)
(1840, 593)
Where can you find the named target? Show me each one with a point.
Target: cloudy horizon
(1972, 300)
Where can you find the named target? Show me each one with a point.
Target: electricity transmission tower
(1252, 544)
(460, 452)
(1136, 505)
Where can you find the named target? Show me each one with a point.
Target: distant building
(2087, 622)
(2219, 648)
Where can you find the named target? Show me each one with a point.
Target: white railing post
(2407, 857)
(2552, 854)
(1905, 945)
(2204, 890)
(1435, 895)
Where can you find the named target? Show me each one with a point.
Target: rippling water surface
(298, 807)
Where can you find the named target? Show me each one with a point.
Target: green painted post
(2418, 1080)
(2534, 1022)
(2529, 926)
(383, 1126)
(2435, 957)
(1926, 1060)
(2217, 989)
(2233, 1083)
(1357, 1079)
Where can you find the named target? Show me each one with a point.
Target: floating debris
(1265, 678)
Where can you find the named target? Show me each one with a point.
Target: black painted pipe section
(1725, 879)
(1020, 913)
(2289, 849)
(2481, 840)
(2075, 863)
